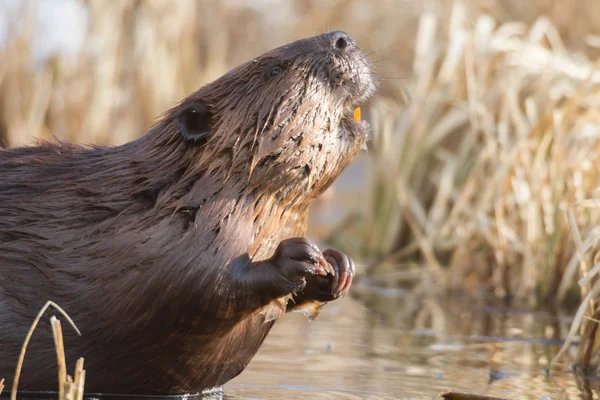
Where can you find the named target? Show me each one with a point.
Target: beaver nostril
(341, 43)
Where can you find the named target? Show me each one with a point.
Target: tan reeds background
(499, 139)
(488, 120)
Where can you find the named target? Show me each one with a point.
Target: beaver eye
(275, 71)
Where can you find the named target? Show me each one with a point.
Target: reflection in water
(403, 347)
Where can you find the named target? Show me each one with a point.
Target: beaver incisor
(175, 253)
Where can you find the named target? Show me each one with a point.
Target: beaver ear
(194, 121)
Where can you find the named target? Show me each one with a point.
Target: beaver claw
(327, 288)
(344, 272)
(298, 258)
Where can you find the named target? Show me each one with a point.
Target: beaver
(176, 253)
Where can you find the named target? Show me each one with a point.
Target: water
(407, 348)
(403, 346)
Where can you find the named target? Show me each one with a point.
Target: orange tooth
(357, 114)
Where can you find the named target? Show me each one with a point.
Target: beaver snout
(348, 67)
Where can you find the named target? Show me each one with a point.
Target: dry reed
(69, 389)
(500, 138)
(495, 162)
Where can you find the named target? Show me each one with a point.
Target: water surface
(403, 347)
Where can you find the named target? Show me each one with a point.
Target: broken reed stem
(78, 369)
(69, 388)
(60, 355)
(13, 394)
(79, 383)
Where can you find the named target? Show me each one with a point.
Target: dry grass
(69, 388)
(471, 178)
(495, 162)
(500, 138)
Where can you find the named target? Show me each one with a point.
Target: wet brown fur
(151, 246)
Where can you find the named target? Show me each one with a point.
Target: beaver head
(282, 122)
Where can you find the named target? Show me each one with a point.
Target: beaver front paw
(333, 286)
(297, 259)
